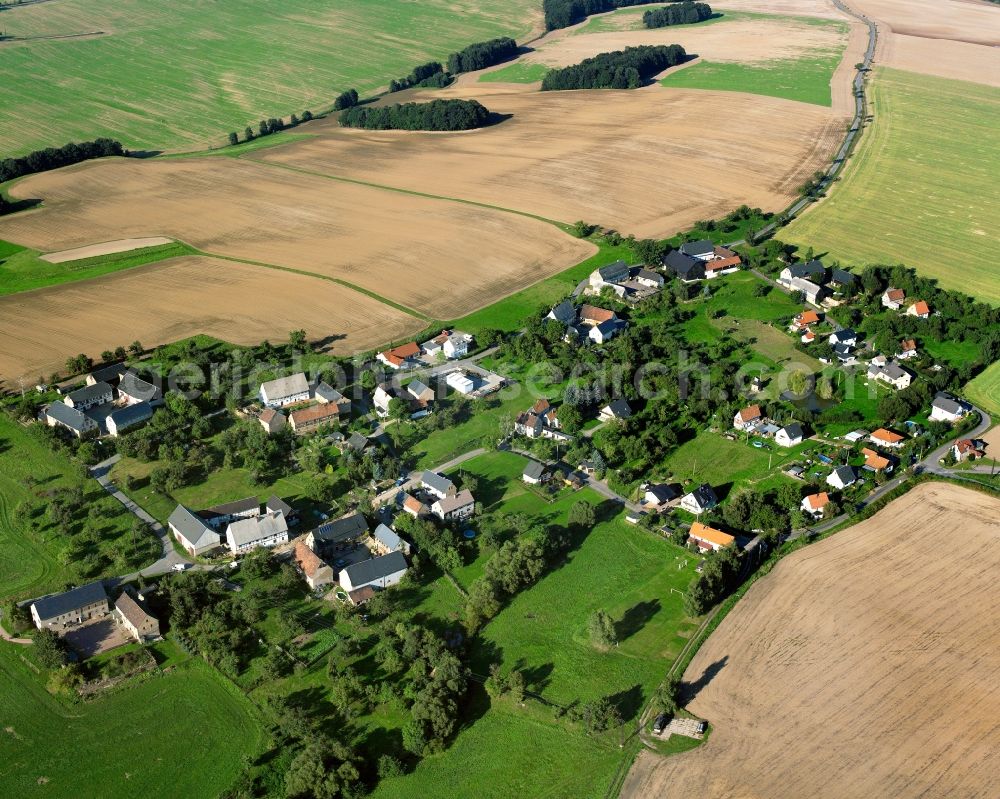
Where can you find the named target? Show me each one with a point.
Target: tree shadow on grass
(629, 702)
(635, 618)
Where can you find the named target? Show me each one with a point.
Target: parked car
(179, 567)
(660, 724)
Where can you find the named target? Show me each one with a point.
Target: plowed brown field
(865, 665)
(181, 297)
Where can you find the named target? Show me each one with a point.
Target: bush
(482, 54)
(622, 69)
(435, 115)
(680, 14)
(347, 99)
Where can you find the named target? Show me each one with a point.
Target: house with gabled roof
(807, 337)
(842, 477)
(945, 408)
(892, 374)
(80, 604)
(139, 623)
(699, 500)
(453, 508)
(59, 414)
(919, 309)
(703, 249)
(535, 473)
(284, 391)
(192, 532)
(218, 516)
(810, 291)
(747, 417)
(841, 278)
(437, 485)
(306, 420)
(564, 313)
(272, 420)
(414, 506)
(684, 267)
(789, 435)
(267, 530)
(380, 572)
(450, 343)
(708, 538)
(968, 449)
(134, 389)
(88, 397)
(325, 394)
(812, 271)
(110, 374)
(385, 540)
(616, 409)
(815, 504)
(315, 571)
(875, 461)
(802, 320)
(893, 298)
(128, 418)
(887, 438)
(401, 357)
(608, 276)
(661, 494)
(907, 349)
(348, 529)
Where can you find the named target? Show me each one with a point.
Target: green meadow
(921, 188)
(185, 74)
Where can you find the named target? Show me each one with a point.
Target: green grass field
(516, 73)
(24, 270)
(804, 79)
(185, 730)
(185, 74)
(921, 189)
(984, 391)
(710, 458)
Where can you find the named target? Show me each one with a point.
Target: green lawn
(32, 549)
(805, 79)
(517, 72)
(24, 270)
(186, 74)
(984, 390)
(921, 189)
(186, 730)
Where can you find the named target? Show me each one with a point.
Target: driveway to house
(6, 636)
(169, 557)
(389, 495)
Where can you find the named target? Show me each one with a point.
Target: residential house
(842, 477)
(58, 611)
(420, 391)
(886, 438)
(876, 462)
(450, 343)
(841, 278)
(907, 349)
(592, 316)
(608, 276)
(316, 572)
(218, 516)
(535, 473)
(808, 337)
(59, 414)
(703, 498)
(400, 357)
(661, 494)
(326, 394)
(892, 374)
(703, 249)
(722, 262)
(968, 449)
(414, 506)
(616, 409)
(110, 374)
(747, 418)
(191, 532)
(276, 504)
(267, 530)
(564, 313)
(708, 538)
(284, 390)
(460, 382)
(893, 298)
(804, 319)
(306, 420)
(843, 352)
(360, 596)
(437, 485)
(133, 617)
(272, 420)
(815, 504)
(541, 421)
(685, 267)
(789, 435)
(605, 331)
(843, 336)
(810, 291)
(134, 389)
(648, 279)
(338, 533)
(945, 408)
(460, 506)
(89, 396)
(380, 572)
(813, 271)
(919, 309)
(127, 418)
(355, 442)
(385, 540)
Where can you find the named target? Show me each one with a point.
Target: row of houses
(449, 344)
(294, 401)
(751, 420)
(587, 322)
(246, 525)
(85, 603)
(135, 399)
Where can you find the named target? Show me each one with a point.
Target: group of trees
(435, 115)
(55, 157)
(678, 14)
(621, 69)
(563, 13)
(719, 577)
(516, 565)
(431, 75)
(268, 126)
(482, 54)
(347, 99)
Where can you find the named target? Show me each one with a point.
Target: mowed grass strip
(185, 74)
(186, 730)
(984, 391)
(921, 189)
(24, 270)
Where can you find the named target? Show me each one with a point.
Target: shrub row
(55, 157)
(435, 115)
(681, 14)
(563, 13)
(482, 54)
(622, 69)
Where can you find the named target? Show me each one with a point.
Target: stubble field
(864, 665)
(177, 298)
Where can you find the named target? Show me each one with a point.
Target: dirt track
(867, 665)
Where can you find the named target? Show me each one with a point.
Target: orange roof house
(806, 318)
(874, 461)
(592, 315)
(815, 503)
(709, 538)
(887, 438)
(397, 356)
(919, 308)
(749, 414)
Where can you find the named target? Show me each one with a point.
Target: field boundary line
(340, 281)
(413, 193)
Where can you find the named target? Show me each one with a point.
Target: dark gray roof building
(137, 388)
(338, 531)
(129, 416)
(69, 417)
(437, 482)
(375, 570)
(59, 604)
(684, 266)
(108, 374)
(698, 248)
(89, 395)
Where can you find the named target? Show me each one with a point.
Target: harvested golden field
(174, 299)
(945, 58)
(440, 257)
(648, 162)
(959, 20)
(795, 8)
(865, 665)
